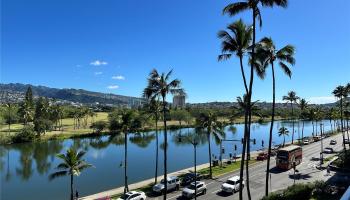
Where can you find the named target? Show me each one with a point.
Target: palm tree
(232, 10)
(209, 122)
(341, 93)
(160, 85)
(283, 131)
(155, 108)
(303, 105)
(237, 43)
(126, 122)
(292, 98)
(267, 53)
(72, 164)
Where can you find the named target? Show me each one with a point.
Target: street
(280, 179)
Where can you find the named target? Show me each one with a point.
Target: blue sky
(112, 45)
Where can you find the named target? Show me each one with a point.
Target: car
(173, 184)
(262, 156)
(133, 195)
(189, 178)
(306, 142)
(190, 191)
(333, 142)
(328, 150)
(346, 141)
(231, 185)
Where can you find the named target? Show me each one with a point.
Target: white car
(189, 192)
(306, 142)
(232, 185)
(173, 184)
(328, 150)
(133, 195)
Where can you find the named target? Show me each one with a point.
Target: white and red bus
(289, 155)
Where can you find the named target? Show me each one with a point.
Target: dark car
(328, 150)
(262, 156)
(333, 142)
(346, 141)
(189, 178)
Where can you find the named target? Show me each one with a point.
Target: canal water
(25, 167)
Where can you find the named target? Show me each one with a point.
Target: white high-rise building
(179, 101)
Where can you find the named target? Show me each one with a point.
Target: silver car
(189, 192)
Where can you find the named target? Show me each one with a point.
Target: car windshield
(125, 196)
(162, 181)
(192, 187)
(230, 182)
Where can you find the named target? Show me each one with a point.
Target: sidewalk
(134, 186)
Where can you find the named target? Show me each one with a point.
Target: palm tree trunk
(243, 153)
(209, 152)
(291, 104)
(284, 140)
(341, 121)
(71, 186)
(157, 146)
(248, 156)
(126, 188)
(302, 133)
(243, 75)
(165, 150)
(271, 129)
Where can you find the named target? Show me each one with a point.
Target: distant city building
(179, 101)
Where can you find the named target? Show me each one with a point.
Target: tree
(25, 111)
(10, 115)
(237, 44)
(29, 97)
(159, 86)
(292, 98)
(213, 127)
(303, 105)
(154, 107)
(72, 165)
(283, 131)
(126, 120)
(179, 115)
(341, 92)
(267, 54)
(232, 10)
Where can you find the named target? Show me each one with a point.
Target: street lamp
(321, 153)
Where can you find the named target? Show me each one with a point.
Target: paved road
(280, 180)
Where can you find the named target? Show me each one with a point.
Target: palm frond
(235, 8)
(57, 174)
(224, 56)
(286, 69)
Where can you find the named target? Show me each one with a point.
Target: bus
(287, 156)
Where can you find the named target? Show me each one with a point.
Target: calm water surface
(25, 168)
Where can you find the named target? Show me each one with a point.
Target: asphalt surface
(308, 172)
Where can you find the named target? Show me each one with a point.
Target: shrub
(98, 126)
(27, 134)
(298, 191)
(42, 125)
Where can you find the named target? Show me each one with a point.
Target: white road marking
(174, 196)
(216, 191)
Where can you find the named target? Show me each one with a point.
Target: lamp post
(321, 153)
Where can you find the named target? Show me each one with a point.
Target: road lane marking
(174, 196)
(216, 191)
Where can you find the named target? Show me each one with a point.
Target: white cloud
(98, 63)
(113, 87)
(321, 100)
(98, 73)
(118, 77)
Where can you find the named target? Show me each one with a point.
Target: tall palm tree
(292, 98)
(160, 85)
(341, 93)
(232, 10)
(209, 122)
(237, 43)
(303, 105)
(267, 53)
(72, 164)
(283, 131)
(126, 122)
(155, 109)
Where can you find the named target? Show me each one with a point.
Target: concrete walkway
(134, 186)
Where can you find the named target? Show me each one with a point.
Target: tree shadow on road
(223, 194)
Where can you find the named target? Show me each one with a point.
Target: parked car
(346, 141)
(333, 142)
(173, 184)
(189, 192)
(262, 156)
(328, 150)
(231, 185)
(189, 178)
(133, 195)
(306, 142)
